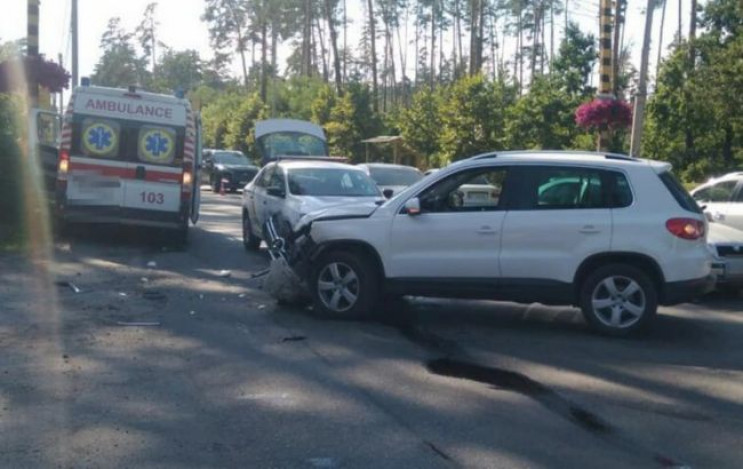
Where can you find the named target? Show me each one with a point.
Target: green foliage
(472, 117)
(178, 70)
(119, 66)
(542, 119)
(420, 125)
(229, 121)
(695, 118)
(11, 199)
(575, 61)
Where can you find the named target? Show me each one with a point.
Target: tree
(182, 70)
(146, 35)
(575, 60)
(119, 66)
(420, 123)
(228, 22)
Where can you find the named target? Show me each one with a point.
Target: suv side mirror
(276, 192)
(413, 206)
(387, 193)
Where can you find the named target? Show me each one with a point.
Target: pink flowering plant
(604, 114)
(47, 73)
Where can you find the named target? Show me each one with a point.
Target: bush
(11, 200)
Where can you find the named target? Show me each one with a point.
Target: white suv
(614, 235)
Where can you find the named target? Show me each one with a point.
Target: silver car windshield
(332, 182)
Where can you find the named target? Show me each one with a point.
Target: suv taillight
(685, 228)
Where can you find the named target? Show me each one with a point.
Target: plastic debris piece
(145, 279)
(121, 293)
(201, 296)
(294, 338)
(153, 295)
(283, 283)
(241, 295)
(260, 274)
(192, 313)
(152, 264)
(71, 285)
(224, 273)
(261, 306)
(138, 324)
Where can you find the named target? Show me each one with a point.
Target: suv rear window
(678, 192)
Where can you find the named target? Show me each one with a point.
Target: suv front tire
(344, 286)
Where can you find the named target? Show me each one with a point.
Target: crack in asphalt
(455, 362)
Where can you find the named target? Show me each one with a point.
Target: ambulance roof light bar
(132, 92)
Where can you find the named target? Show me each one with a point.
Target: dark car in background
(230, 167)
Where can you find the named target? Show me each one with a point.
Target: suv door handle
(589, 229)
(486, 230)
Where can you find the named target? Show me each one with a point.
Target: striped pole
(32, 38)
(606, 90)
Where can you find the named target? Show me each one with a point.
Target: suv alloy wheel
(618, 299)
(344, 286)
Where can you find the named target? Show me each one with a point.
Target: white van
(129, 157)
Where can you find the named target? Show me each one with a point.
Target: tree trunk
(241, 49)
(638, 116)
(373, 39)
(307, 39)
(474, 17)
(334, 46)
(660, 38)
(345, 42)
(264, 59)
(615, 44)
(323, 51)
(433, 46)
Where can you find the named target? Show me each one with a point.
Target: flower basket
(603, 114)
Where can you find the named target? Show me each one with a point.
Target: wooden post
(32, 38)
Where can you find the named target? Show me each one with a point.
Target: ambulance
(129, 157)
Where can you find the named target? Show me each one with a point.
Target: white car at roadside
(392, 178)
(726, 244)
(291, 188)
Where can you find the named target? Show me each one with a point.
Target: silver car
(288, 189)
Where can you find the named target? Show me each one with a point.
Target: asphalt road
(175, 359)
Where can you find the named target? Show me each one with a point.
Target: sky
(181, 28)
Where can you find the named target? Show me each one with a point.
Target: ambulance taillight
(63, 168)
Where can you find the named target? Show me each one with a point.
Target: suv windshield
(231, 157)
(395, 176)
(331, 182)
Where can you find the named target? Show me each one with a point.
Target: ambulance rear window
(100, 138)
(156, 145)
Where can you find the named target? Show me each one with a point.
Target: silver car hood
(339, 212)
(723, 234)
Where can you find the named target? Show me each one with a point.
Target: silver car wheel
(338, 287)
(618, 302)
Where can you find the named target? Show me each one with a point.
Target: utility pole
(606, 70)
(638, 116)
(73, 27)
(61, 91)
(32, 38)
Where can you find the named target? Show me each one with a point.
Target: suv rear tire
(618, 299)
(344, 285)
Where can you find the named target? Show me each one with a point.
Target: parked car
(293, 188)
(527, 247)
(230, 166)
(726, 244)
(392, 178)
(722, 199)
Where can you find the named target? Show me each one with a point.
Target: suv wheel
(618, 299)
(251, 242)
(344, 286)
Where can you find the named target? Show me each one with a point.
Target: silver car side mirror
(413, 206)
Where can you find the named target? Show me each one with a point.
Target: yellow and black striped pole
(606, 89)
(32, 39)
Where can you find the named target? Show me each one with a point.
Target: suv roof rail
(620, 156)
(337, 159)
